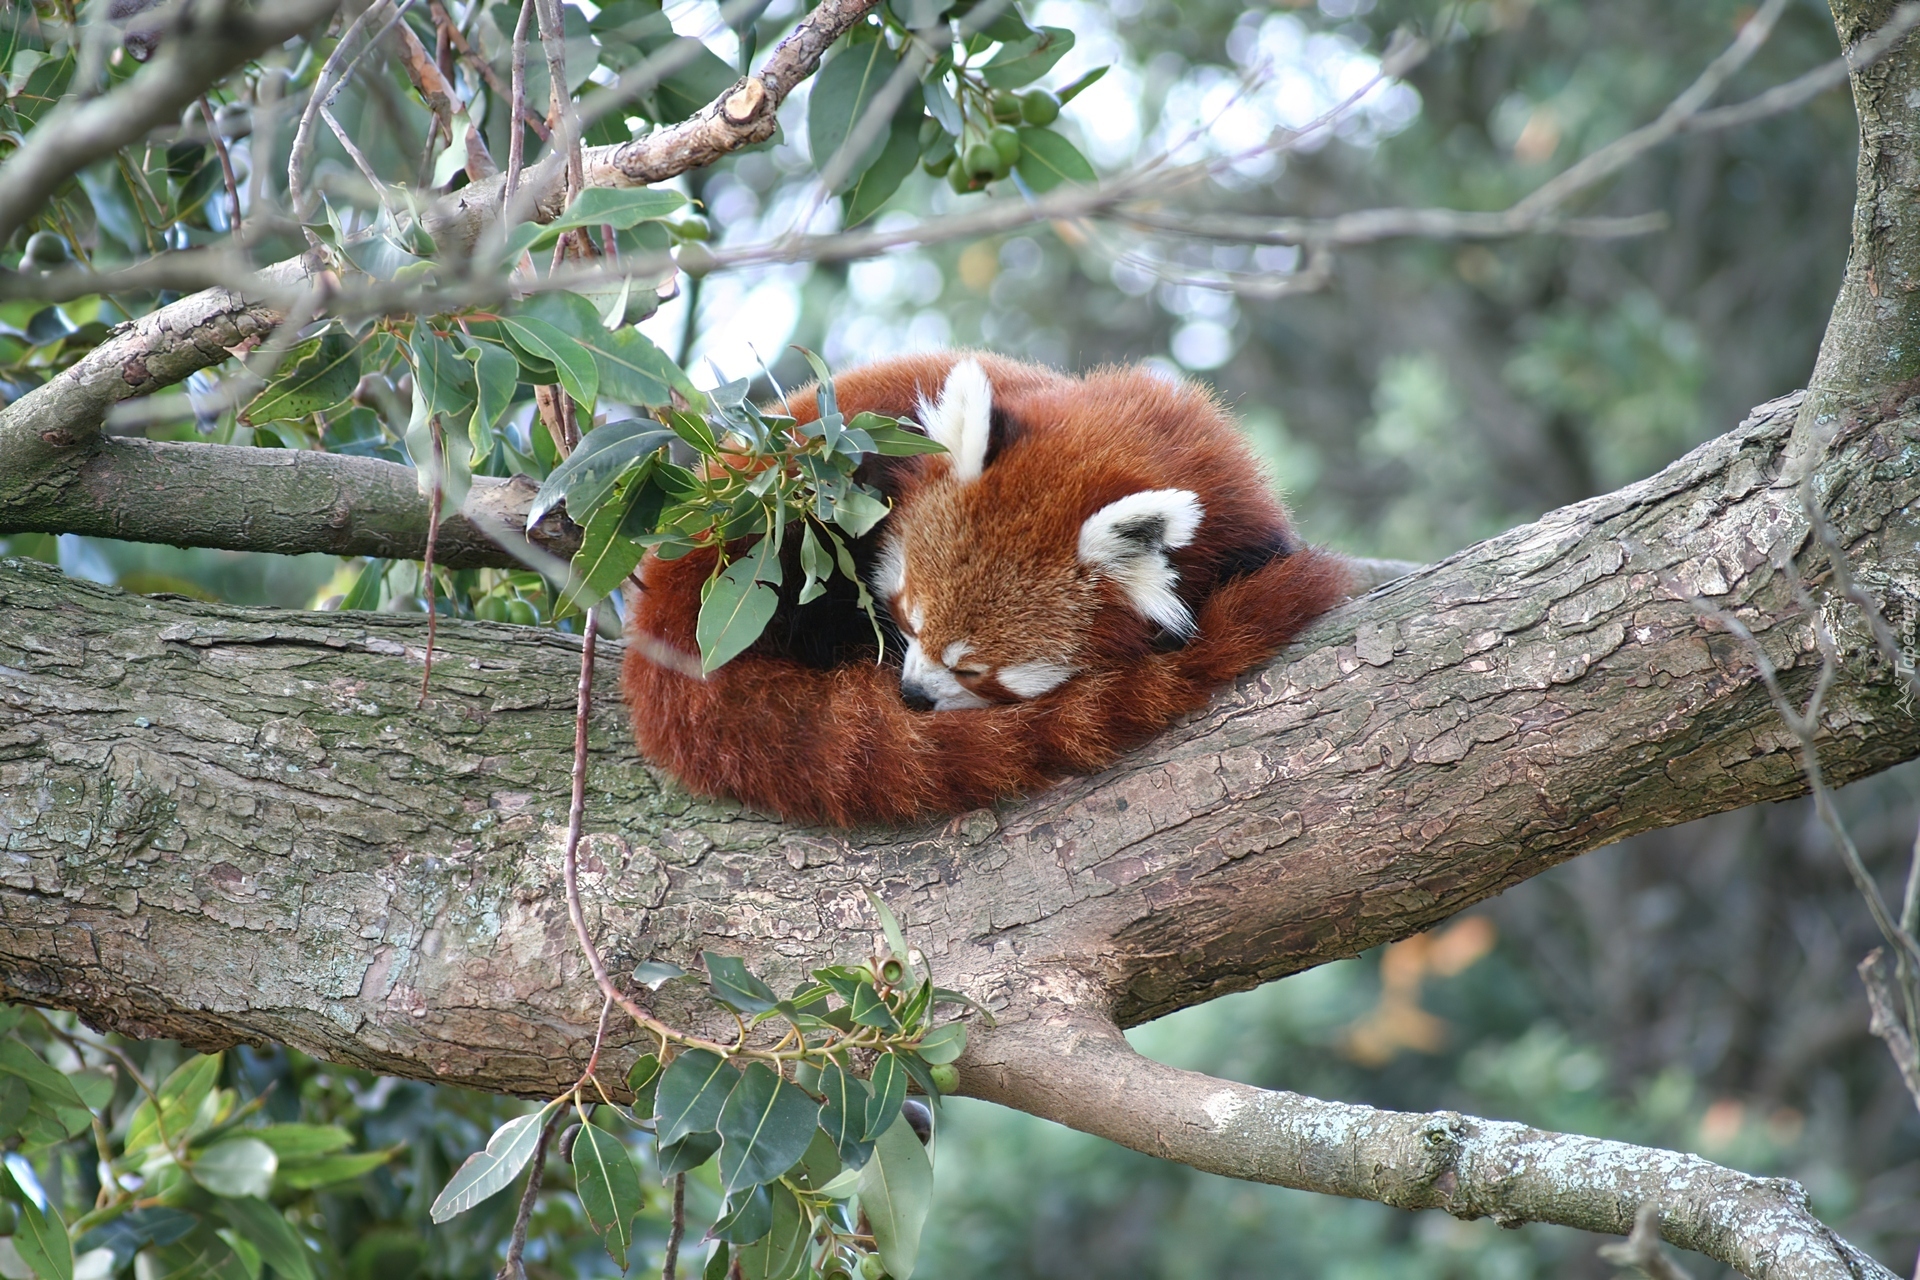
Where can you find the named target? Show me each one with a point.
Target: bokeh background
(1691, 988)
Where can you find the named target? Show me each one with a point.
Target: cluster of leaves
(968, 123)
(182, 1173)
(823, 1171)
(760, 474)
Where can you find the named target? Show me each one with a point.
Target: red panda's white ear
(1127, 541)
(963, 419)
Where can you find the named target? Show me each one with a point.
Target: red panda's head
(1008, 580)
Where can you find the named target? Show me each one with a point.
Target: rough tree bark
(225, 824)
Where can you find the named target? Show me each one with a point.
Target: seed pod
(983, 162)
(893, 971)
(945, 1076)
(957, 179)
(1006, 143)
(1005, 106)
(1038, 107)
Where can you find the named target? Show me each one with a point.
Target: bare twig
(517, 147)
(1641, 1250)
(334, 73)
(441, 99)
(515, 1268)
(677, 1230)
(226, 166)
(1887, 1023)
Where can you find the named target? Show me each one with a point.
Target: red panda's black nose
(915, 697)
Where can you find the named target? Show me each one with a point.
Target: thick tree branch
(1080, 1071)
(230, 824)
(203, 43)
(289, 501)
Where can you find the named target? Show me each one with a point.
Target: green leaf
(941, 105)
(635, 371)
(896, 1188)
(315, 376)
(692, 1090)
(869, 1010)
(608, 1187)
(890, 927)
(687, 1154)
(1025, 61)
(643, 1077)
(94, 1086)
(618, 207)
(245, 1252)
(42, 1081)
(280, 1246)
(738, 607)
(489, 1171)
(917, 1071)
(442, 377)
(858, 511)
(652, 974)
(898, 157)
(765, 1127)
(815, 563)
(843, 1117)
(181, 1096)
(41, 1238)
(890, 439)
(1047, 160)
(747, 1215)
(735, 986)
(843, 91)
(236, 1167)
(15, 1098)
(496, 377)
(943, 1043)
(1072, 91)
(607, 554)
(782, 1251)
(588, 475)
(366, 588)
(327, 1170)
(572, 363)
(886, 1091)
(719, 1264)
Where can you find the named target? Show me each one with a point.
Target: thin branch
(1641, 1249)
(334, 74)
(517, 147)
(441, 99)
(226, 166)
(514, 1268)
(1887, 1023)
(1068, 1065)
(677, 1229)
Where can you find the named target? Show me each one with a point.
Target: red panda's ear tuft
(1127, 542)
(963, 419)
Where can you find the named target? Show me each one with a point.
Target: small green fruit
(1038, 107)
(692, 229)
(957, 179)
(490, 609)
(522, 613)
(46, 249)
(1006, 143)
(983, 162)
(938, 167)
(871, 1267)
(695, 259)
(945, 1076)
(1005, 106)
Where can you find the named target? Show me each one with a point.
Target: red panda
(1089, 561)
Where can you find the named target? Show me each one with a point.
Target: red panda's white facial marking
(995, 593)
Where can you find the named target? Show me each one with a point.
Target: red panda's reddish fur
(840, 744)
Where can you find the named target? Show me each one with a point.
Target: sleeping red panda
(1089, 561)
